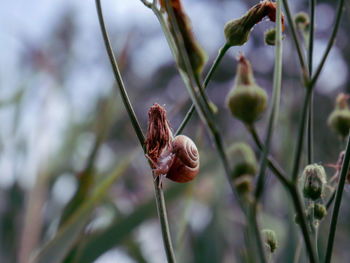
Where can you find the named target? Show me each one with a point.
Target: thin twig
(330, 43)
(158, 191)
(338, 198)
(296, 40)
(310, 130)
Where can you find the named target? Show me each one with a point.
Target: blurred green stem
(338, 198)
(158, 191)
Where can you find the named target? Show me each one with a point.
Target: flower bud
(270, 36)
(302, 20)
(246, 100)
(270, 239)
(320, 211)
(237, 31)
(243, 160)
(339, 120)
(313, 180)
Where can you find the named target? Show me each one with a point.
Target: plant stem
(298, 251)
(298, 205)
(330, 43)
(300, 139)
(161, 208)
(338, 198)
(275, 168)
(118, 77)
(296, 40)
(277, 78)
(213, 68)
(310, 57)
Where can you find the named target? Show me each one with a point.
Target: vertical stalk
(310, 58)
(161, 208)
(338, 198)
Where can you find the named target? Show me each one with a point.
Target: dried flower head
(159, 135)
(237, 31)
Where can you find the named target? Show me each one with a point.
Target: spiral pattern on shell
(186, 163)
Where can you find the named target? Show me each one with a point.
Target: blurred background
(64, 128)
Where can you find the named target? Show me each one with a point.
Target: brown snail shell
(186, 161)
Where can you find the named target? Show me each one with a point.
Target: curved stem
(296, 40)
(254, 222)
(330, 43)
(273, 165)
(118, 77)
(158, 191)
(213, 68)
(338, 198)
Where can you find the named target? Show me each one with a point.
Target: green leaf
(56, 249)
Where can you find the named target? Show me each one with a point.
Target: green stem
(118, 77)
(161, 208)
(259, 241)
(213, 68)
(338, 198)
(298, 251)
(273, 165)
(296, 40)
(298, 205)
(310, 58)
(330, 43)
(300, 139)
(277, 78)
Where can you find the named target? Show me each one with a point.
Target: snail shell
(186, 161)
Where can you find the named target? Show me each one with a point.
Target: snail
(175, 158)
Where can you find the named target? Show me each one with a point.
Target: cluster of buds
(313, 181)
(244, 165)
(237, 31)
(196, 54)
(246, 100)
(339, 120)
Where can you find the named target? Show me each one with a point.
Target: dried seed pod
(246, 100)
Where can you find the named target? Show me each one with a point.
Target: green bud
(320, 211)
(302, 22)
(270, 239)
(270, 36)
(246, 100)
(243, 160)
(236, 33)
(339, 119)
(313, 180)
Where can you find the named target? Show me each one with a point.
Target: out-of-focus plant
(176, 157)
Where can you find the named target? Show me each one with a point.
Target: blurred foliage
(64, 130)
